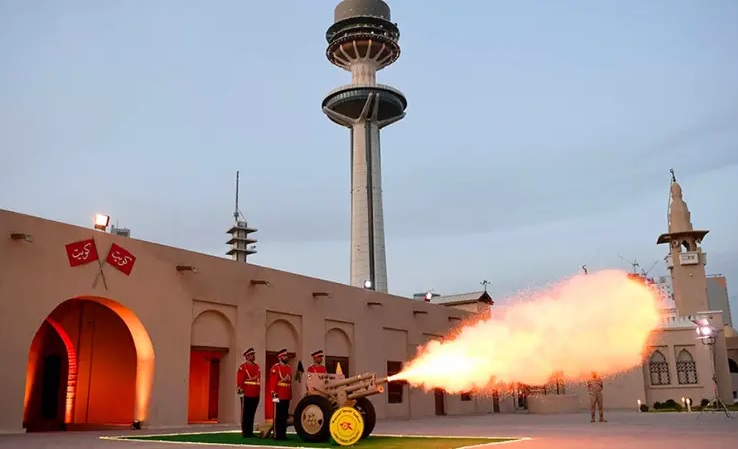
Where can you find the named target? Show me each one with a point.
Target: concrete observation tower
(363, 40)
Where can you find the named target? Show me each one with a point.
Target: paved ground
(624, 430)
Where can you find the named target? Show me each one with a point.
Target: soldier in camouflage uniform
(594, 386)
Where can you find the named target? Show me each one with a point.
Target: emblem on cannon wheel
(346, 426)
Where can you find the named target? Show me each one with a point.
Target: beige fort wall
(168, 312)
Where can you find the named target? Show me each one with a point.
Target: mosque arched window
(686, 368)
(658, 367)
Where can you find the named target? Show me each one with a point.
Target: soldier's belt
(282, 384)
(251, 383)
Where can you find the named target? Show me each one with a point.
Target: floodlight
(428, 296)
(704, 331)
(367, 284)
(101, 222)
(708, 334)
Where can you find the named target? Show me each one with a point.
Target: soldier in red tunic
(280, 388)
(317, 366)
(248, 382)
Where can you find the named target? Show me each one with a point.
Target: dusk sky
(539, 134)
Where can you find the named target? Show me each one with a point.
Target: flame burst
(598, 322)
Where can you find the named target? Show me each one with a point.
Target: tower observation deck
(363, 40)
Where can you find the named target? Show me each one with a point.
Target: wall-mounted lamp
(186, 268)
(373, 303)
(260, 282)
(318, 294)
(420, 312)
(101, 222)
(21, 236)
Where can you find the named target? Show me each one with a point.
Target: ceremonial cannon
(327, 393)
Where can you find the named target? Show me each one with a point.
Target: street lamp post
(708, 335)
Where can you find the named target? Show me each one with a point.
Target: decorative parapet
(676, 322)
(672, 321)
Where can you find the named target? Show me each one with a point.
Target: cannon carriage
(327, 393)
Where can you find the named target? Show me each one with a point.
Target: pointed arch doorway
(90, 366)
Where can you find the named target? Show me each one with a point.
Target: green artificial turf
(384, 442)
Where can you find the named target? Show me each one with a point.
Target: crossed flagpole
(101, 274)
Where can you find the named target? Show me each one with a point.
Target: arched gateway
(90, 365)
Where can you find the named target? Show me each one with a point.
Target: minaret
(363, 40)
(686, 261)
(239, 232)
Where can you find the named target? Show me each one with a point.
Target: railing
(354, 86)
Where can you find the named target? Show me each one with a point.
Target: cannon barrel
(350, 380)
(377, 389)
(382, 380)
(358, 386)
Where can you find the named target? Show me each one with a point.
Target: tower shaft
(368, 255)
(364, 72)
(363, 40)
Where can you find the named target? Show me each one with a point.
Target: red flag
(121, 259)
(82, 252)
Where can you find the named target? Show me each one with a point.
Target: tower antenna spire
(236, 211)
(673, 176)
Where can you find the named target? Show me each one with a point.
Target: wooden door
(440, 402)
(214, 389)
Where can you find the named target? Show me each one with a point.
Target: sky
(539, 135)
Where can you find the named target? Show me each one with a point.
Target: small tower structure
(241, 244)
(686, 261)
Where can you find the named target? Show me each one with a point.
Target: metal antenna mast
(241, 244)
(235, 211)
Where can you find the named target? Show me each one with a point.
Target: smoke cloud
(598, 322)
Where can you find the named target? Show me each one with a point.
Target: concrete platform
(570, 431)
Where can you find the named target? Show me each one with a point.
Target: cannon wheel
(313, 418)
(366, 408)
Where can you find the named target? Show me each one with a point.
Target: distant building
(469, 302)
(425, 296)
(123, 232)
(717, 296)
(667, 306)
